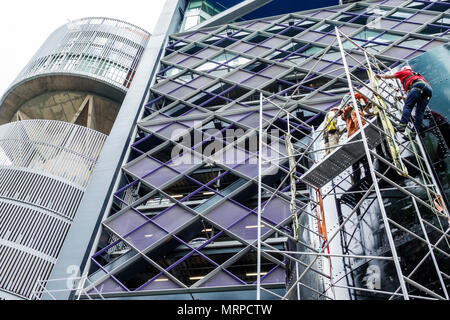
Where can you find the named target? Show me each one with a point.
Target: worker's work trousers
(331, 139)
(418, 96)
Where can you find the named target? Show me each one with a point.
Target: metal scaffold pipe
(372, 172)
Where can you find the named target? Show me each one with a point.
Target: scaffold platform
(342, 157)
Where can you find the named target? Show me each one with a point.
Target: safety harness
(345, 102)
(415, 81)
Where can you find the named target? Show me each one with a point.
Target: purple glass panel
(155, 127)
(387, 24)
(247, 229)
(236, 117)
(258, 25)
(415, 54)
(274, 112)
(107, 286)
(326, 40)
(315, 64)
(173, 130)
(277, 210)
(272, 153)
(323, 105)
(227, 214)
(393, 3)
(311, 36)
(167, 87)
(280, 148)
(238, 76)
(160, 176)
(253, 120)
(221, 279)
(258, 51)
(273, 42)
(190, 62)
(195, 111)
(160, 116)
(276, 276)
(434, 43)
(189, 123)
(126, 222)
(250, 170)
(319, 95)
(242, 47)
(256, 81)
(200, 82)
(273, 71)
(324, 14)
(347, 30)
(334, 70)
(143, 166)
(160, 283)
(173, 218)
(231, 157)
(397, 52)
(185, 162)
(195, 36)
(182, 92)
(407, 27)
(277, 101)
(421, 18)
(206, 53)
(354, 57)
(176, 58)
(145, 236)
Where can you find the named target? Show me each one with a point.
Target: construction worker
(331, 132)
(349, 113)
(418, 92)
(351, 120)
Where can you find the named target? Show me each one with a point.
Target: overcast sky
(26, 24)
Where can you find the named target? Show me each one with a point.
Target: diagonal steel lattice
(168, 219)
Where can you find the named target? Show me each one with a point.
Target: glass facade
(185, 221)
(198, 11)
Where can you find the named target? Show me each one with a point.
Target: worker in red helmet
(349, 112)
(331, 132)
(418, 92)
(351, 120)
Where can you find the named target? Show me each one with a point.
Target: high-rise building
(55, 119)
(180, 206)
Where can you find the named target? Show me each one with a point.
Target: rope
(387, 126)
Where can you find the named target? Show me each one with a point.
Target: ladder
(334, 167)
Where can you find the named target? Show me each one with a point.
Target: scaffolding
(350, 224)
(75, 285)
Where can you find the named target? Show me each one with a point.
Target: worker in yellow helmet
(331, 132)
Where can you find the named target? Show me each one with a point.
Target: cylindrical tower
(45, 168)
(80, 74)
(54, 120)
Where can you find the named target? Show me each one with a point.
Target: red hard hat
(406, 68)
